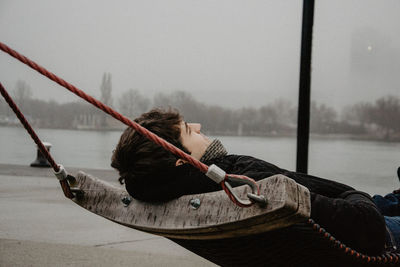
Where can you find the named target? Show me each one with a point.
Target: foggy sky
(233, 53)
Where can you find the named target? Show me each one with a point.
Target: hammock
(278, 234)
(281, 234)
(200, 216)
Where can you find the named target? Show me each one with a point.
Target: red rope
(168, 146)
(42, 148)
(143, 131)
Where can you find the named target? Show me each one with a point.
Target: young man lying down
(153, 174)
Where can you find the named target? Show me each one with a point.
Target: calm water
(368, 166)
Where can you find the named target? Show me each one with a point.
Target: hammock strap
(58, 169)
(143, 131)
(140, 129)
(387, 258)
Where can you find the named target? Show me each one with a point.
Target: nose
(195, 127)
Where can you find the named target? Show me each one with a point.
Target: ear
(180, 162)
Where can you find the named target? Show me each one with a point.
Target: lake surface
(366, 165)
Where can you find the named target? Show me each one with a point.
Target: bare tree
(386, 114)
(105, 89)
(106, 97)
(323, 119)
(132, 103)
(358, 114)
(22, 92)
(4, 109)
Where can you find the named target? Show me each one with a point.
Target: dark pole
(303, 120)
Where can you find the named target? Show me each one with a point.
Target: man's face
(193, 140)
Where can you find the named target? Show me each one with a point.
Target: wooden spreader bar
(201, 216)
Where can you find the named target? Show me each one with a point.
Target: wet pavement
(40, 227)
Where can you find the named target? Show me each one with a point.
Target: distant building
(87, 121)
(96, 121)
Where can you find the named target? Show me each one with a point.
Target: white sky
(227, 52)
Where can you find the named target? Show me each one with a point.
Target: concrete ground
(40, 227)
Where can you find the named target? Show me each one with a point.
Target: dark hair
(136, 156)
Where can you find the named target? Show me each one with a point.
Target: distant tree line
(40, 113)
(381, 118)
(378, 120)
(273, 119)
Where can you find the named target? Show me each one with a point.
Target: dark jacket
(351, 216)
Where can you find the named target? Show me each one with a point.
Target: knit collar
(215, 150)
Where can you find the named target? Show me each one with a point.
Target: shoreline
(354, 137)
